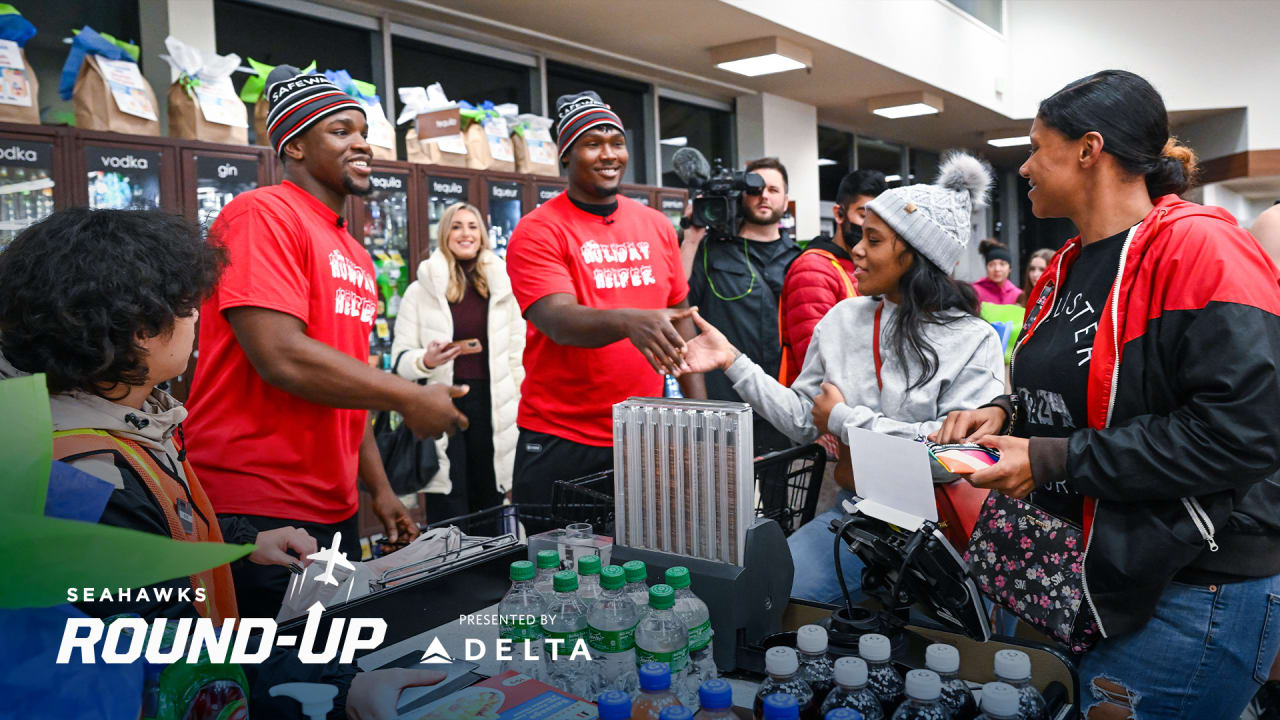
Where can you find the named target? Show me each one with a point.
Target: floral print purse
(1032, 563)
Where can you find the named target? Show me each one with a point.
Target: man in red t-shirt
(598, 277)
(278, 424)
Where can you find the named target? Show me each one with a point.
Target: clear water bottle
(924, 698)
(676, 712)
(548, 565)
(815, 667)
(655, 692)
(589, 579)
(637, 573)
(783, 667)
(715, 698)
(882, 679)
(611, 632)
(945, 660)
(1014, 667)
(614, 705)
(851, 690)
(567, 625)
(1000, 701)
(695, 615)
(779, 706)
(520, 621)
(842, 713)
(662, 637)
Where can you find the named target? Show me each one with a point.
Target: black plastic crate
(584, 500)
(490, 522)
(788, 482)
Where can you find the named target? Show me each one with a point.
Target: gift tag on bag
(128, 89)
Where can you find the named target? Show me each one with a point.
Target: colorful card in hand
(963, 459)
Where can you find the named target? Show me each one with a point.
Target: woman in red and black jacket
(1147, 408)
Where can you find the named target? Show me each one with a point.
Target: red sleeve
(265, 267)
(536, 265)
(679, 283)
(807, 295)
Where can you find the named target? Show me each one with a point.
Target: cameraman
(736, 281)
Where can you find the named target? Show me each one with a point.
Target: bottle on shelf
(614, 705)
(611, 632)
(676, 712)
(882, 678)
(662, 637)
(693, 612)
(1014, 667)
(815, 667)
(851, 690)
(520, 621)
(924, 698)
(1000, 701)
(589, 579)
(779, 706)
(567, 624)
(655, 692)
(945, 660)
(783, 667)
(842, 713)
(715, 698)
(548, 562)
(636, 587)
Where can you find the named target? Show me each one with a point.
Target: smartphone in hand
(470, 346)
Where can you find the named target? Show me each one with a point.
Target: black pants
(470, 459)
(260, 589)
(542, 459)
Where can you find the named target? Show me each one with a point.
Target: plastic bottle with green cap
(589, 579)
(566, 632)
(662, 636)
(548, 562)
(611, 631)
(697, 617)
(520, 622)
(637, 575)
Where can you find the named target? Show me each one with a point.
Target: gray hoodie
(970, 372)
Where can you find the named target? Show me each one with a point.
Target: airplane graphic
(331, 556)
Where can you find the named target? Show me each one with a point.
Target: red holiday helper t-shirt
(629, 259)
(257, 449)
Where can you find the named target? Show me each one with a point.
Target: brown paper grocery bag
(260, 122)
(187, 121)
(431, 153)
(479, 153)
(29, 114)
(440, 143)
(96, 109)
(527, 164)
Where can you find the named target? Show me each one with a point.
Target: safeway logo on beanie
(281, 89)
(297, 101)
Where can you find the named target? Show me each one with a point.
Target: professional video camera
(718, 194)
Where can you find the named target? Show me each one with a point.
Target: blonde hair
(458, 278)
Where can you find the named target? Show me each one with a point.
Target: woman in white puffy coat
(461, 293)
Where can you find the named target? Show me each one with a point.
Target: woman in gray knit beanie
(895, 360)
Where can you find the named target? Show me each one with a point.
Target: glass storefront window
(26, 188)
(123, 178)
(275, 36)
(705, 129)
(835, 155)
(625, 97)
(883, 156)
(463, 76)
(219, 180)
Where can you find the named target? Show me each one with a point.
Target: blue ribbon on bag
(87, 42)
(15, 27)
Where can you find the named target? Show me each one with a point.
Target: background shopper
(1126, 419)
(1035, 268)
(462, 293)
(996, 288)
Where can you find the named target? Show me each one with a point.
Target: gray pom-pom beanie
(934, 219)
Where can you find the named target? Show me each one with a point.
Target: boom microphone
(690, 165)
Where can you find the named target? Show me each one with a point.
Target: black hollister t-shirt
(1051, 373)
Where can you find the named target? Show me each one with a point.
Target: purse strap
(875, 345)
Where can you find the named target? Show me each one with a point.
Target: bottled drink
(548, 565)
(695, 615)
(843, 713)
(655, 692)
(567, 625)
(1000, 701)
(779, 706)
(520, 621)
(924, 698)
(636, 588)
(882, 679)
(783, 667)
(1014, 667)
(589, 579)
(851, 690)
(614, 705)
(715, 698)
(815, 667)
(676, 712)
(611, 632)
(662, 637)
(945, 660)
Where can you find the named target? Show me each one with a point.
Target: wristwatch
(1015, 409)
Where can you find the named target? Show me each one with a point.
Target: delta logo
(528, 645)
